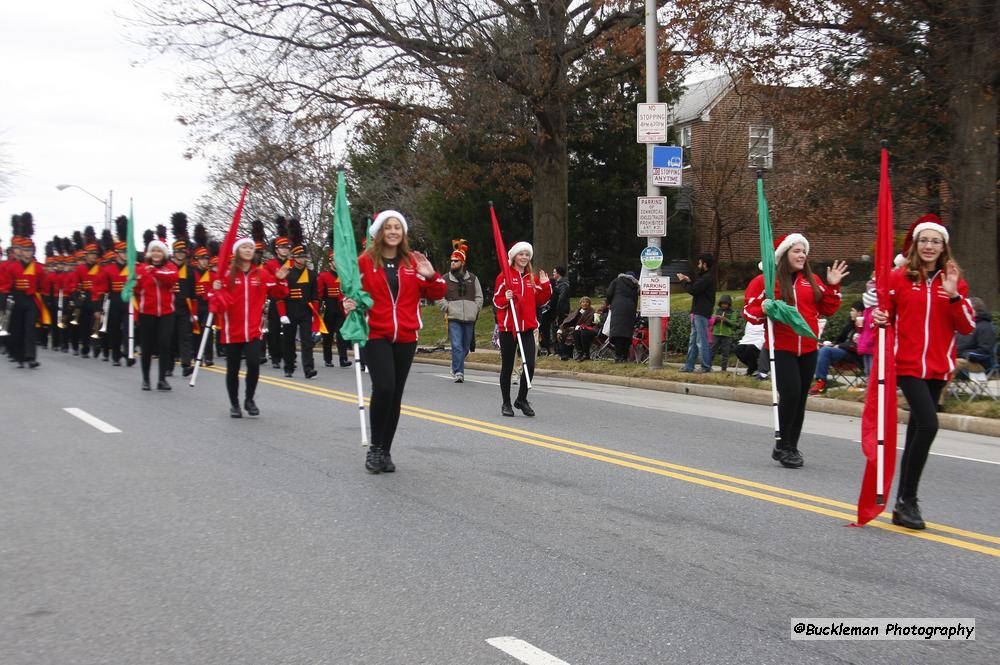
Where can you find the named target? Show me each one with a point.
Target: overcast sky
(76, 110)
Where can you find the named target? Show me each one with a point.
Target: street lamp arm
(62, 187)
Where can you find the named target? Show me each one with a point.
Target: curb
(949, 421)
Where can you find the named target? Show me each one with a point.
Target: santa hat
(784, 243)
(929, 222)
(156, 242)
(384, 215)
(242, 241)
(519, 247)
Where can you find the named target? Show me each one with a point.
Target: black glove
(3, 302)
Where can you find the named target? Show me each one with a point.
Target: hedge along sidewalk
(949, 421)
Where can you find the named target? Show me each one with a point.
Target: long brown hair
(915, 271)
(787, 284)
(374, 249)
(528, 270)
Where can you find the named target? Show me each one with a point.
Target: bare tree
(502, 71)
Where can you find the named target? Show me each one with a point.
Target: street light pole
(652, 97)
(106, 202)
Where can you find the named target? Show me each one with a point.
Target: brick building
(729, 130)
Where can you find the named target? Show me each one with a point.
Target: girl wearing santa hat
(239, 306)
(794, 355)
(927, 306)
(396, 277)
(517, 301)
(153, 284)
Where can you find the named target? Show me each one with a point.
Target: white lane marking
(524, 652)
(91, 420)
(967, 459)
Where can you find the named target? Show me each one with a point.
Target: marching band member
(202, 283)
(328, 293)
(281, 249)
(23, 283)
(85, 298)
(154, 283)
(396, 278)
(297, 313)
(184, 309)
(239, 303)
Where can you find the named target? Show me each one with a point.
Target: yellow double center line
(749, 488)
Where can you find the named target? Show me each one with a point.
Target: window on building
(685, 143)
(761, 146)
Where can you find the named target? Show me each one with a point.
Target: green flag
(345, 255)
(130, 282)
(776, 310)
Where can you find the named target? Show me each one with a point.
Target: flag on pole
(345, 255)
(227, 245)
(776, 310)
(878, 421)
(130, 250)
(501, 248)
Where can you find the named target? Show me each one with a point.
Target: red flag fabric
(880, 400)
(501, 248)
(227, 245)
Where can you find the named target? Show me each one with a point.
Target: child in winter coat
(723, 328)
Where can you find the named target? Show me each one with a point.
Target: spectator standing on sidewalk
(702, 290)
(722, 330)
(461, 304)
(553, 312)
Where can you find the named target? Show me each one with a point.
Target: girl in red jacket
(927, 306)
(518, 299)
(153, 283)
(396, 278)
(794, 355)
(239, 306)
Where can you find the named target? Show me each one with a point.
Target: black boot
(525, 408)
(163, 385)
(507, 409)
(251, 407)
(387, 465)
(373, 460)
(310, 373)
(234, 411)
(907, 514)
(187, 370)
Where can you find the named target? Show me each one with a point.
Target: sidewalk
(949, 421)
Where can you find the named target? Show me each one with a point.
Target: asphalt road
(618, 526)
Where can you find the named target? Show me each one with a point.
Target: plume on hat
(161, 232)
(77, 241)
(50, 249)
(27, 225)
(280, 226)
(121, 228)
(200, 235)
(147, 237)
(107, 241)
(213, 248)
(294, 232)
(257, 231)
(15, 225)
(179, 226)
(89, 236)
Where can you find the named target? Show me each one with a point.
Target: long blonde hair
(375, 246)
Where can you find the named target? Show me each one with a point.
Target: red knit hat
(784, 243)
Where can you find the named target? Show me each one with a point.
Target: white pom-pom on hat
(380, 220)
(519, 247)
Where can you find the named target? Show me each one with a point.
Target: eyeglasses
(937, 242)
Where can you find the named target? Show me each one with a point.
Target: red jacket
(926, 323)
(328, 289)
(240, 303)
(785, 339)
(397, 320)
(28, 279)
(85, 276)
(527, 293)
(154, 288)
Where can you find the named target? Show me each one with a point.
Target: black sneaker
(275, 365)
(234, 411)
(387, 465)
(327, 363)
(289, 373)
(346, 363)
(907, 514)
(310, 373)
(525, 407)
(209, 363)
(116, 363)
(507, 410)
(145, 385)
(251, 407)
(792, 459)
(105, 359)
(130, 362)
(33, 364)
(85, 354)
(373, 460)
(187, 370)
(163, 385)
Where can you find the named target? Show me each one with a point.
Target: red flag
(501, 248)
(880, 402)
(227, 245)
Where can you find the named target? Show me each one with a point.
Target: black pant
(748, 355)
(209, 353)
(234, 352)
(21, 343)
(154, 333)
(922, 395)
(81, 332)
(389, 365)
(793, 375)
(508, 352)
(333, 318)
(117, 331)
(273, 337)
(546, 338)
(621, 345)
(582, 339)
(302, 325)
(180, 337)
(723, 346)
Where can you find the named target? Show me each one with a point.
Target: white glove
(285, 321)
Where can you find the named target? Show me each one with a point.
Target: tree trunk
(973, 119)
(550, 198)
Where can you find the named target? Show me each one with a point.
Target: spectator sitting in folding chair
(845, 349)
(976, 348)
(576, 332)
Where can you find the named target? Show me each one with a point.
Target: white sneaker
(459, 377)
